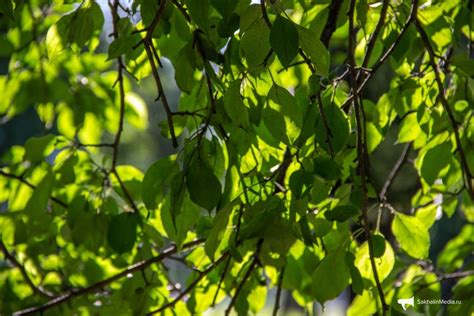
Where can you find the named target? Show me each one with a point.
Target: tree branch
(101, 284)
(147, 42)
(375, 34)
(467, 175)
(394, 172)
(278, 294)
(127, 194)
(444, 277)
(249, 271)
(331, 22)
(191, 286)
(161, 93)
(11, 258)
(326, 124)
(385, 56)
(26, 182)
(221, 279)
(361, 152)
(115, 19)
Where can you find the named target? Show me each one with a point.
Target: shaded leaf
(284, 40)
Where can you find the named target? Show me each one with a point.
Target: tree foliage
(271, 182)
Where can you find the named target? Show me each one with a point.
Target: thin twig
(78, 144)
(147, 42)
(101, 284)
(249, 271)
(385, 56)
(221, 280)
(127, 194)
(394, 172)
(29, 184)
(327, 130)
(191, 286)
(278, 294)
(161, 94)
(444, 277)
(11, 258)
(115, 20)
(375, 34)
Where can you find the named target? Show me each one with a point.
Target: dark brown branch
(115, 19)
(249, 271)
(278, 294)
(182, 10)
(467, 175)
(94, 145)
(327, 130)
(385, 56)
(331, 22)
(151, 28)
(375, 34)
(264, 14)
(188, 113)
(11, 258)
(26, 182)
(221, 280)
(444, 277)
(394, 172)
(101, 284)
(361, 153)
(161, 94)
(147, 42)
(191, 286)
(127, 194)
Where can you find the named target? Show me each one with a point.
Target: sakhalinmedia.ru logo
(438, 302)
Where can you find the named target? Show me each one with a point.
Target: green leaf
(184, 69)
(341, 213)
(177, 195)
(412, 235)
(157, 180)
(326, 168)
(234, 106)
(255, 44)
(315, 50)
(219, 225)
(199, 11)
(83, 25)
(282, 115)
(378, 245)
(56, 38)
(40, 197)
(409, 129)
(330, 277)
(122, 232)
(224, 7)
(305, 231)
(38, 148)
(435, 161)
(356, 278)
(384, 263)
(6, 8)
(284, 40)
(338, 126)
(374, 136)
(203, 186)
